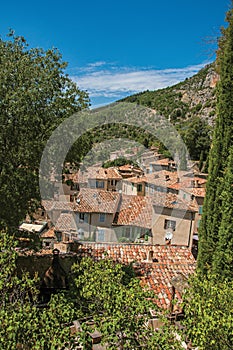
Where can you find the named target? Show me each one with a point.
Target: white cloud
(97, 64)
(102, 79)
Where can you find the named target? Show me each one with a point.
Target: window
(139, 187)
(127, 232)
(99, 184)
(184, 196)
(102, 217)
(92, 183)
(113, 182)
(169, 224)
(101, 235)
(83, 217)
(74, 187)
(200, 209)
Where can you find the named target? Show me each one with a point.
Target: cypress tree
(213, 209)
(223, 257)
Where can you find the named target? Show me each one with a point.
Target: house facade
(173, 220)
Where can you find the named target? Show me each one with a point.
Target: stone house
(134, 186)
(95, 211)
(173, 220)
(108, 179)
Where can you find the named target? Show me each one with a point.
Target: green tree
(196, 135)
(105, 292)
(22, 324)
(222, 142)
(183, 159)
(208, 313)
(222, 258)
(119, 306)
(35, 97)
(118, 162)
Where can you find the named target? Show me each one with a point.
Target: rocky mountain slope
(194, 97)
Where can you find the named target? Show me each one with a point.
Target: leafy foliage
(103, 291)
(170, 102)
(214, 230)
(119, 306)
(186, 114)
(22, 324)
(119, 162)
(196, 135)
(35, 97)
(209, 317)
(222, 258)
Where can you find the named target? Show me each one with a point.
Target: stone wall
(40, 263)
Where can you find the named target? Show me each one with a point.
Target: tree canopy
(103, 295)
(35, 97)
(208, 313)
(214, 239)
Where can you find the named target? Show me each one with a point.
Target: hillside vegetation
(194, 97)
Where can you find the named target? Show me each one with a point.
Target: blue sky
(116, 48)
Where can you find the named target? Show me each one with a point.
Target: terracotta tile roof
(200, 180)
(175, 186)
(96, 201)
(129, 171)
(163, 161)
(186, 178)
(112, 173)
(184, 182)
(134, 210)
(169, 180)
(162, 178)
(130, 252)
(197, 192)
(136, 179)
(66, 223)
(73, 177)
(170, 200)
(102, 174)
(129, 167)
(56, 205)
(82, 176)
(48, 234)
(169, 262)
(159, 278)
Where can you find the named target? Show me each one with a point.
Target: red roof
(169, 262)
(96, 201)
(48, 234)
(136, 179)
(170, 200)
(135, 210)
(197, 192)
(50, 205)
(66, 223)
(103, 174)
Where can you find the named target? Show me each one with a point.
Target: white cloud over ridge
(109, 81)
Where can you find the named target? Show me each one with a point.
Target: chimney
(150, 255)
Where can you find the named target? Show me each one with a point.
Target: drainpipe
(89, 228)
(190, 230)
